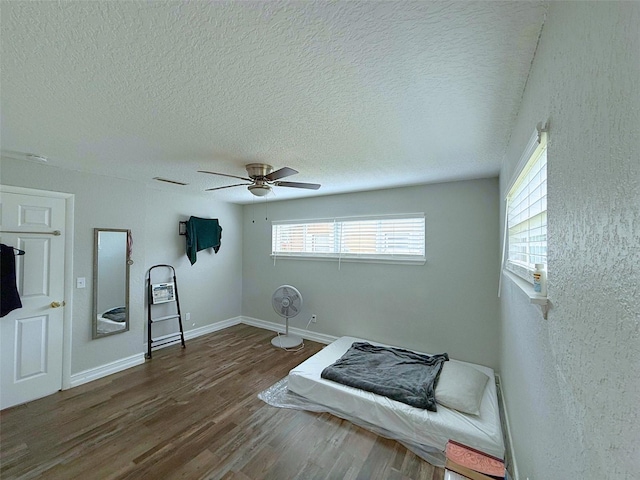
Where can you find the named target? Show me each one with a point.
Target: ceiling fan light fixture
(259, 190)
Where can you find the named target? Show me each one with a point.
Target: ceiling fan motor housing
(258, 170)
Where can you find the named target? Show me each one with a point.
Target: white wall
(571, 382)
(210, 290)
(450, 304)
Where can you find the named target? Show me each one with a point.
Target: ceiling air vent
(32, 157)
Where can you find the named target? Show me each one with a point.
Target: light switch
(80, 282)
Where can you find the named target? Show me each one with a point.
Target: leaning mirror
(110, 281)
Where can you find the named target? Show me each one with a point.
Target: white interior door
(31, 337)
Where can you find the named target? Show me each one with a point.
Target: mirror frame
(96, 234)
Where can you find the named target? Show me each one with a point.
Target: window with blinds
(527, 212)
(388, 238)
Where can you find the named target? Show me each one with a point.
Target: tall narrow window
(527, 211)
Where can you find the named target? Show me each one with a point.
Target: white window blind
(527, 212)
(395, 238)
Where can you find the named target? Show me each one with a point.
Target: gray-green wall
(449, 304)
(210, 290)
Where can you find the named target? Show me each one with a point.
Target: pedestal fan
(287, 302)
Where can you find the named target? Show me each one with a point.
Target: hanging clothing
(202, 233)
(9, 297)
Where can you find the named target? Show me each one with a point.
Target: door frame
(68, 271)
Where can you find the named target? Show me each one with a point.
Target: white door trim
(68, 272)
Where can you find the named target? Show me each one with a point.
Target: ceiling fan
(262, 178)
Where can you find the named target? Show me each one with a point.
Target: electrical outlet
(314, 318)
(187, 316)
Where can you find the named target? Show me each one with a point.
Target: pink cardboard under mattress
(409, 424)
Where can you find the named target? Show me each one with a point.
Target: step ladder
(163, 294)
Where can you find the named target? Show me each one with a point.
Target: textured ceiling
(355, 95)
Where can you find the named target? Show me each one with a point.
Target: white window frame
(336, 243)
(519, 187)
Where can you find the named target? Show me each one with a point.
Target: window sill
(363, 259)
(534, 297)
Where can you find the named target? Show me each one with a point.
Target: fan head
(287, 301)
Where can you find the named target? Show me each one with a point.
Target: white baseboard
(214, 327)
(96, 373)
(92, 374)
(198, 332)
(279, 327)
(516, 474)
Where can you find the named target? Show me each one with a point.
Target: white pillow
(461, 387)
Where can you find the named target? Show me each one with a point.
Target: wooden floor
(194, 414)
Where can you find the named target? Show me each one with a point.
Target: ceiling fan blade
(281, 173)
(225, 175)
(227, 186)
(309, 186)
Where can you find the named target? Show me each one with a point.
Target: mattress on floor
(413, 425)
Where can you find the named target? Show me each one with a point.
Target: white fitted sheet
(408, 424)
(106, 325)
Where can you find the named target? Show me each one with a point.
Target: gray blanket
(398, 374)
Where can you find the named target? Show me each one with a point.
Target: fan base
(286, 341)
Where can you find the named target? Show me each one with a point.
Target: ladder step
(161, 319)
(168, 335)
(166, 340)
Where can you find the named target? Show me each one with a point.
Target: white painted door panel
(31, 337)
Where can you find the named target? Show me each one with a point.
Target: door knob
(57, 304)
